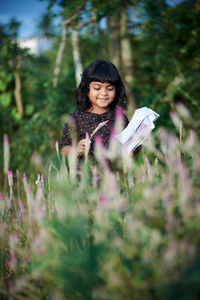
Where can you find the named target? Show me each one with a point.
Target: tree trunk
(102, 41)
(18, 97)
(113, 23)
(127, 62)
(76, 55)
(60, 54)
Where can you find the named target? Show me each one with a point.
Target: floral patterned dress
(80, 122)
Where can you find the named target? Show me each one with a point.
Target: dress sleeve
(69, 132)
(66, 139)
(126, 121)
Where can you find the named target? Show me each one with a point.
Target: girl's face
(101, 95)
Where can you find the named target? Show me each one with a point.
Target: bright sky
(27, 12)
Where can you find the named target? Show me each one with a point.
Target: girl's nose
(104, 91)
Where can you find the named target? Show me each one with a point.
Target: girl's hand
(81, 147)
(137, 150)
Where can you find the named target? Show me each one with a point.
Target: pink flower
(103, 198)
(10, 178)
(20, 206)
(6, 153)
(98, 140)
(119, 112)
(28, 189)
(5, 138)
(147, 161)
(26, 259)
(13, 237)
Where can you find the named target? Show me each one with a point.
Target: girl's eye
(96, 89)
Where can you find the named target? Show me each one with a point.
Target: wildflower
(38, 179)
(98, 127)
(57, 148)
(13, 261)
(13, 239)
(175, 118)
(87, 146)
(103, 199)
(19, 211)
(99, 151)
(10, 178)
(119, 120)
(190, 140)
(8, 200)
(95, 176)
(6, 153)
(72, 159)
(183, 111)
(26, 259)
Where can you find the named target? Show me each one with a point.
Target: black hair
(102, 71)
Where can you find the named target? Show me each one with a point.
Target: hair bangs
(103, 71)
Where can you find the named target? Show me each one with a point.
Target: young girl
(99, 93)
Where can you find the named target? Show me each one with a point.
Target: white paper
(139, 127)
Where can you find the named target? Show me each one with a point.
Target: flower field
(129, 232)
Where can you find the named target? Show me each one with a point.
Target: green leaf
(3, 85)
(9, 77)
(2, 74)
(5, 99)
(29, 109)
(15, 114)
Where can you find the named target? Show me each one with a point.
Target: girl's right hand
(81, 147)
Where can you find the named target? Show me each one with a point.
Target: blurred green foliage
(165, 42)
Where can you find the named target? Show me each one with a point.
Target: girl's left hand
(137, 150)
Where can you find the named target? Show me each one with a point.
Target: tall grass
(132, 232)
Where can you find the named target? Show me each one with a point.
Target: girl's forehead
(100, 83)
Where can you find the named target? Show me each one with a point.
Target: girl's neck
(98, 111)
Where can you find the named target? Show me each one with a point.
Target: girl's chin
(103, 104)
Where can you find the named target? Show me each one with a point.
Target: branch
(18, 97)
(60, 55)
(90, 20)
(65, 24)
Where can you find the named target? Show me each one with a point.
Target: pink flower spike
(106, 121)
(147, 161)
(24, 176)
(13, 237)
(26, 259)
(98, 139)
(20, 206)
(5, 138)
(42, 178)
(87, 136)
(113, 133)
(103, 199)
(119, 112)
(11, 284)
(28, 188)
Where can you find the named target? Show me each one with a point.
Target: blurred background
(45, 45)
